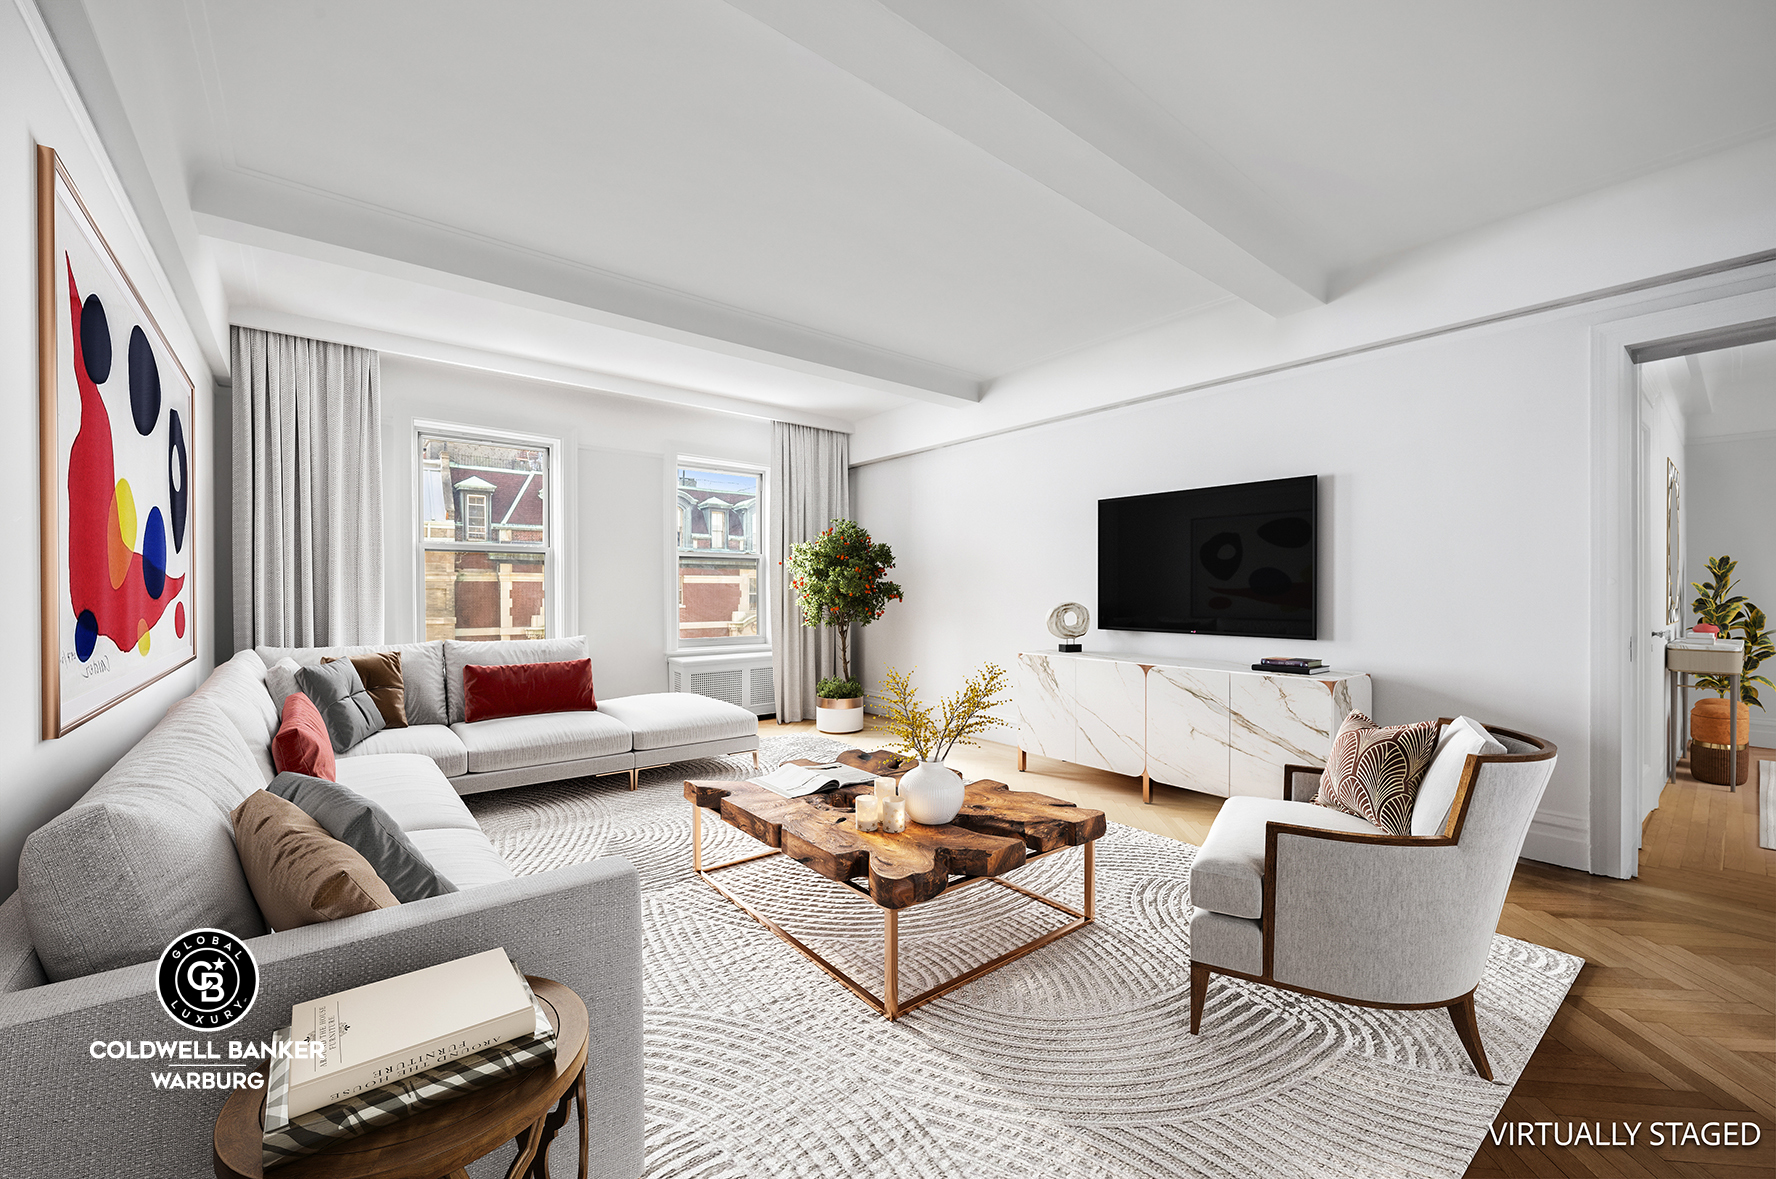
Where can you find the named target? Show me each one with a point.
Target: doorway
(1707, 423)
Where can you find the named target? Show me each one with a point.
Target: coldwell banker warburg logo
(207, 979)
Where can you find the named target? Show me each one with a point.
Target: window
(485, 536)
(718, 597)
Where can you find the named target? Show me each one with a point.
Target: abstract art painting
(115, 413)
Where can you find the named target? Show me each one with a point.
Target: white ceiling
(836, 205)
(1723, 393)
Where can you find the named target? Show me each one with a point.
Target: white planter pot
(933, 793)
(838, 716)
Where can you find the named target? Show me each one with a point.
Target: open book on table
(797, 781)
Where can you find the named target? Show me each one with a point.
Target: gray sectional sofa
(626, 734)
(148, 854)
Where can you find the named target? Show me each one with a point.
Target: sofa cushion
(147, 853)
(302, 745)
(280, 681)
(351, 818)
(422, 672)
(514, 741)
(1442, 778)
(1227, 875)
(301, 875)
(458, 655)
(660, 720)
(237, 688)
(380, 672)
(467, 857)
(434, 741)
(410, 787)
(525, 689)
(349, 711)
(1373, 772)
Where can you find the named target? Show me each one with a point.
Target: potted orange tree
(1712, 755)
(841, 581)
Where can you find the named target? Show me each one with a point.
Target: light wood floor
(1673, 1018)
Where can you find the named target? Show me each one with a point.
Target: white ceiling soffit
(377, 303)
(1014, 83)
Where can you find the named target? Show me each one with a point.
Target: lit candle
(894, 814)
(887, 788)
(866, 812)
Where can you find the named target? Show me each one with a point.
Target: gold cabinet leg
(1023, 760)
(891, 962)
(1146, 788)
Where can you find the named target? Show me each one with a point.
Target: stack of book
(388, 1050)
(1291, 665)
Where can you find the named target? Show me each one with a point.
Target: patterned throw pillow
(1373, 773)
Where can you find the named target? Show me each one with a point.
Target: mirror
(1674, 576)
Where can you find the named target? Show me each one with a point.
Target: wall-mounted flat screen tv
(1234, 560)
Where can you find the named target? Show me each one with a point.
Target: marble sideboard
(1206, 725)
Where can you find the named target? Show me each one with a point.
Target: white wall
(620, 454)
(1456, 507)
(39, 779)
(1728, 500)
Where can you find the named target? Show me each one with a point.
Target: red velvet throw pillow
(523, 689)
(302, 745)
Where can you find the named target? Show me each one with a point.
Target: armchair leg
(1467, 1026)
(1199, 992)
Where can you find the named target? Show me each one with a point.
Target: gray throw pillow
(366, 828)
(347, 709)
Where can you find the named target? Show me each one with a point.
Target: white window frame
(554, 609)
(724, 644)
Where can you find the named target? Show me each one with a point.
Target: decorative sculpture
(1067, 621)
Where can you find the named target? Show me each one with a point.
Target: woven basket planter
(1709, 762)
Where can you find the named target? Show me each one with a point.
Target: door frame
(1618, 558)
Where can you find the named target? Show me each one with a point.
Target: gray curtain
(812, 491)
(307, 492)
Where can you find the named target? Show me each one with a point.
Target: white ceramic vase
(933, 793)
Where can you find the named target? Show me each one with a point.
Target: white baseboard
(1562, 840)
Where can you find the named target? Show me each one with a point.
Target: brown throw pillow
(300, 875)
(1373, 772)
(381, 673)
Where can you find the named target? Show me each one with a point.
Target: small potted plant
(1713, 755)
(840, 704)
(934, 791)
(841, 580)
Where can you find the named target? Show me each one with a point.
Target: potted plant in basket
(841, 579)
(933, 790)
(1712, 756)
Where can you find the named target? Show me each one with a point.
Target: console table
(1206, 725)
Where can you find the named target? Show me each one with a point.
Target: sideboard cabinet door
(1187, 728)
(1043, 687)
(1280, 720)
(1110, 707)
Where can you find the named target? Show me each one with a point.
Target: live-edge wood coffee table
(530, 1108)
(997, 830)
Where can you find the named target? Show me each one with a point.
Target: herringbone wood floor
(1673, 1018)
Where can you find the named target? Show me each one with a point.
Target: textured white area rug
(1073, 1061)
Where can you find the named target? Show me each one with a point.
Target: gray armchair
(1309, 899)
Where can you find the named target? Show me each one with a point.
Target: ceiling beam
(238, 206)
(1015, 84)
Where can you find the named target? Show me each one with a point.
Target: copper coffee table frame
(890, 1004)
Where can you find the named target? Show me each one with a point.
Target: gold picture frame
(117, 574)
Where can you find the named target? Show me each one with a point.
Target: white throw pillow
(280, 681)
(1436, 792)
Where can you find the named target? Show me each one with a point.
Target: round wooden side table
(529, 1108)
